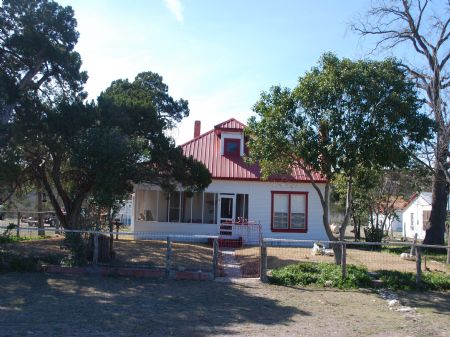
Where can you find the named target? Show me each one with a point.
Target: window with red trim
(289, 211)
(231, 147)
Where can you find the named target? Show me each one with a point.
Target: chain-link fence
(172, 254)
(24, 222)
(385, 256)
(243, 253)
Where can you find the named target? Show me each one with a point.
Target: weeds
(330, 275)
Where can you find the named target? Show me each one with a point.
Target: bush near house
(321, 274)
(330, 275)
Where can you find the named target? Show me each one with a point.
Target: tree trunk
(435, 233)
(41, 231)
(348, 210)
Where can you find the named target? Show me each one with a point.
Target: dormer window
(232, 147)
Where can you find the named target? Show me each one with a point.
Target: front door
(227, 213)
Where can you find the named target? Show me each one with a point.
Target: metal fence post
(418, 265)
(95, 253)
(18, 225)
(263, 263)
(344, 260)
(169, 256)
(215, 257)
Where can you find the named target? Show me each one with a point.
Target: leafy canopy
(341, 114)
(38, 68)
(93, 150)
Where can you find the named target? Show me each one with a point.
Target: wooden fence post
(263, 262)
(18, 225)
(413, 247)
(168, 256)
(215, 258)
(95, 253)
(344, 260)
(448, 243)
(418, 265)
(57, 226)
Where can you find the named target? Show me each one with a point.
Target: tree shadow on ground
(70, 305)
(438, 302)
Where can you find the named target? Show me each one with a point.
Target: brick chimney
(197, 127)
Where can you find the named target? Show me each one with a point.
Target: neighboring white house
(394, 222)
(416, 215)
(286, 207)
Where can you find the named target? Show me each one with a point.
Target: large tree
(38, 66)
(342, 115)
(77, 150)
(423, 26)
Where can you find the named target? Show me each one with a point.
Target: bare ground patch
(36, 304)
(148, 253)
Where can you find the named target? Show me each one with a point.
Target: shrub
(77, 247)
(330, 275)
(407, 281)
(321, 274)
(15, 262)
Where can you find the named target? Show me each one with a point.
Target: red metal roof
(206, 148)
(231, 124)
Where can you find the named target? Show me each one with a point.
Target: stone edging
(131, 272)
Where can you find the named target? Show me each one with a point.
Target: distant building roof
(400, 203)
(206, 149)
(427, 196)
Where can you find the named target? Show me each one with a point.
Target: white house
(287, 207)
(416, 215)
(394, 222)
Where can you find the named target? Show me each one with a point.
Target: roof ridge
(196, 138)
(227, 121)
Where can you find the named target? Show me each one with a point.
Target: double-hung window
(289, 211)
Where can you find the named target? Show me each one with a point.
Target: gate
(239, 249)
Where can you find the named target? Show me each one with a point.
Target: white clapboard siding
(259, 209)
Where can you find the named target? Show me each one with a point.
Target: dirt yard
(37, 304)
(128, 253)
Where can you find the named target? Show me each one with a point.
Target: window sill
(304, 230)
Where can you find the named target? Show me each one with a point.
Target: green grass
(321, 274)
(13, 238)
(396, 280)
(330, 275)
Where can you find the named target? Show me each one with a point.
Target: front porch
(182, 213)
